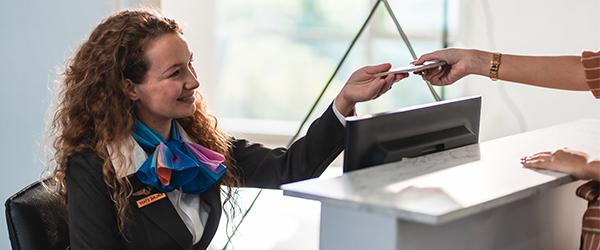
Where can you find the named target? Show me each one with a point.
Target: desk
(473, 197)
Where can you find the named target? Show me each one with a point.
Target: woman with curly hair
(139, 161)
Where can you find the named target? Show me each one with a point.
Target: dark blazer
(92, 216)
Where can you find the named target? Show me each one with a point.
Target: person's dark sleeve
(306, 158)
(92, 219)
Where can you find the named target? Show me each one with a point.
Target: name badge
(150, 199)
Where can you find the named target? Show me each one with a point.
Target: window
(274, 57)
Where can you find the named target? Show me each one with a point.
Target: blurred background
(262, 63)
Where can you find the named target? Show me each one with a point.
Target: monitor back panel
(411, 132)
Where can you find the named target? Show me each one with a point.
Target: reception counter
(473, 197)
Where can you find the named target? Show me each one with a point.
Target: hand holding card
(413, 68)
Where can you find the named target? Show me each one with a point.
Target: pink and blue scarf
(175, 164)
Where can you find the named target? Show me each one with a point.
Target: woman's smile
(187, 98)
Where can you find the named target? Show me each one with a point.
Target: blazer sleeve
(92, 217)
(306, 158)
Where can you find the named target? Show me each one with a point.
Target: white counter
(457, 184)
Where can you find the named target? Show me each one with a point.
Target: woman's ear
(131, 90)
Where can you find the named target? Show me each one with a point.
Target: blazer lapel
(213, 199)
(161, 212)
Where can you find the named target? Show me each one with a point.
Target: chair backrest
(37, 219)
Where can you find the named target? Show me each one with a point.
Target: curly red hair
(94, 111)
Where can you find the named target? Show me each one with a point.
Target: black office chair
(37, 219)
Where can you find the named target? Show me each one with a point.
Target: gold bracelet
(495, 66)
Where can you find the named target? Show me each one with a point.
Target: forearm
(307, 157)
(558, 72)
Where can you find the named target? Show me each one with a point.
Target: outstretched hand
(459, 63)
(363, 86)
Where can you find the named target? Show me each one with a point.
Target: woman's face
(168, 89)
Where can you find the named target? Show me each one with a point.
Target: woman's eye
(174, 74)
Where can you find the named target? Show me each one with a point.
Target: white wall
(535, 27)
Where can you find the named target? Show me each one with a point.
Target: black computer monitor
(411, 132)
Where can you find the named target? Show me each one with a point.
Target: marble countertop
(453, 184)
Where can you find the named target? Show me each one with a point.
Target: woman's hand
(363, 86)
(459, 63)
(564, 160)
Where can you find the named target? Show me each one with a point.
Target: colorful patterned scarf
(175, 164)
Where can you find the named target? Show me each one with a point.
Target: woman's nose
(192, 81)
